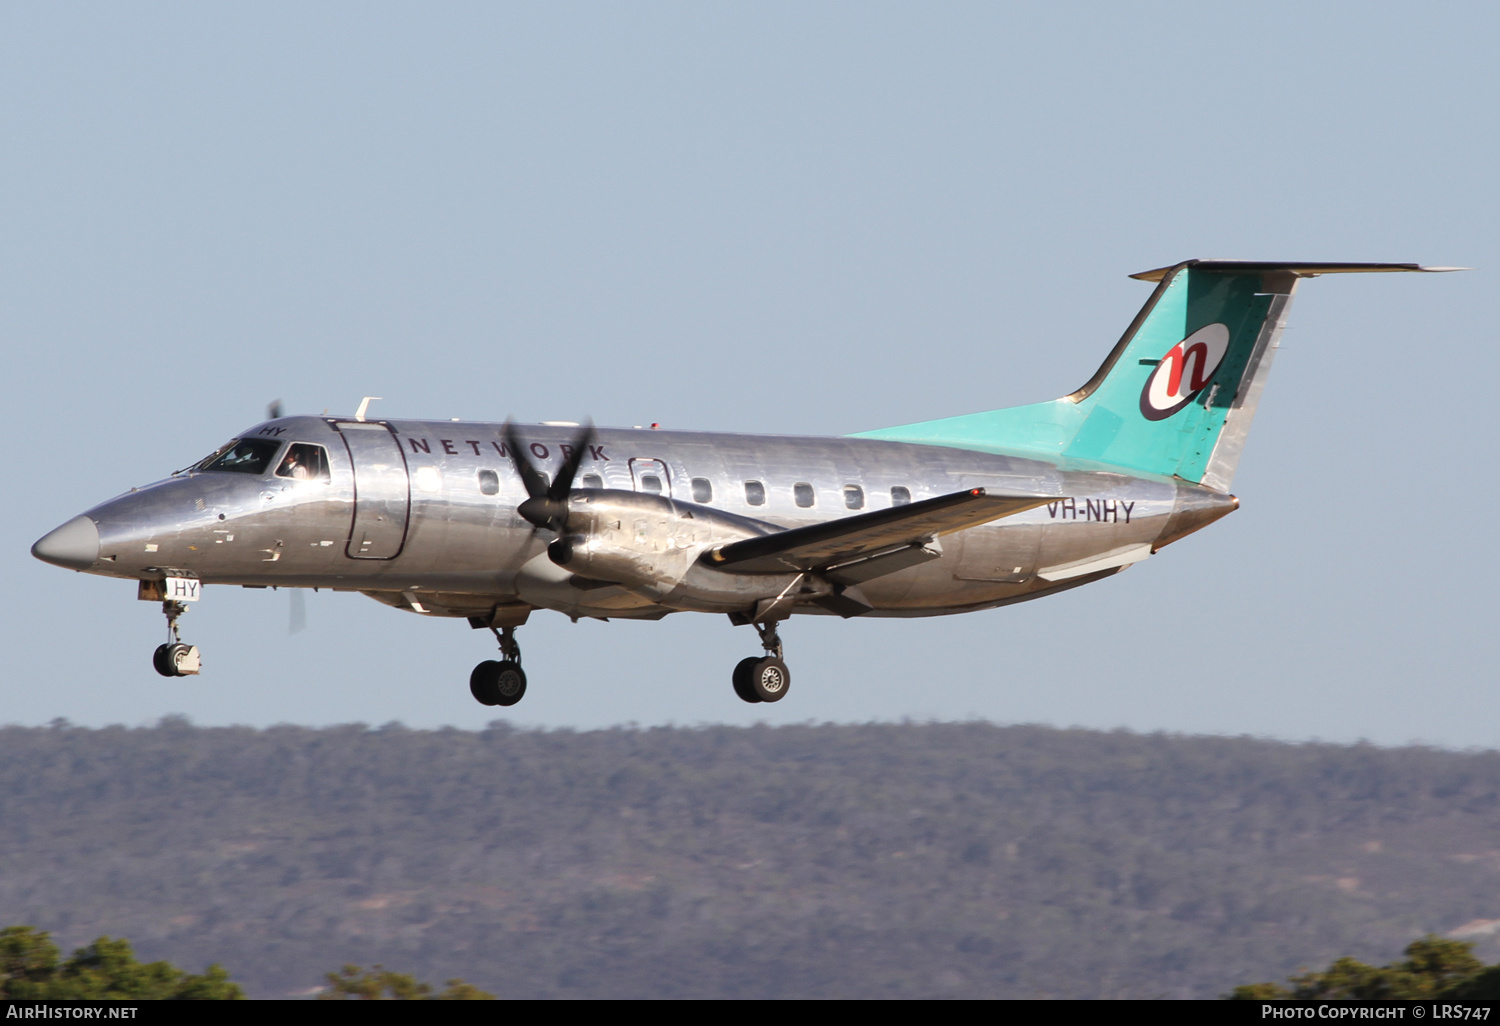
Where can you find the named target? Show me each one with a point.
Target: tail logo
(1184, 371)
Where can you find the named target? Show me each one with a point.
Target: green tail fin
(1177, 393)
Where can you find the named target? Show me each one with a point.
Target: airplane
(488, 522)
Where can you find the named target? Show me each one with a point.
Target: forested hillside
(904, 860)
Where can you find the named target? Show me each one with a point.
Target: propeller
(546, 504)
(297, 622)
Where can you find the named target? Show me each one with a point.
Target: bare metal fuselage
(420, 532)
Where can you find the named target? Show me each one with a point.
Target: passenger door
(382, 490)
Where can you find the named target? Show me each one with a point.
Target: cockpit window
(205, 461)
(245, 456)
(304, 462)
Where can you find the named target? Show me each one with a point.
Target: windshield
(243, 456)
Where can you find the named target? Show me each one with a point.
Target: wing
(838, 542)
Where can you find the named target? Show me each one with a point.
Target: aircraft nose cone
(74, 545)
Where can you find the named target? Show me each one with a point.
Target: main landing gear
(174, 659)
(502, 681)
(763, 678)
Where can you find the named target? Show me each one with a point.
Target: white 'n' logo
(1184, 371)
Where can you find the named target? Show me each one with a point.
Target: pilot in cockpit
(303, 463)
(293, 466)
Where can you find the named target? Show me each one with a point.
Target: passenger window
(854, 497)
(802, 492)
(593, 481)
(247, 456)
(304, 462)
(651, 483)
(755, 493)
(900, 495)
(489, 482)
(703, 490)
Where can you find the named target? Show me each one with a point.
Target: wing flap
(847, 539)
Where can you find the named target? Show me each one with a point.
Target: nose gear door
(382, 490)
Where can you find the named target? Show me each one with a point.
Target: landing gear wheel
(497, 683)
(482, 683)
(763, 678)
(176, 660)
(510, 683)
(500, 682)
(742, 671)
(769, 679)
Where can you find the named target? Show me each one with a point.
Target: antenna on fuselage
(364, 406)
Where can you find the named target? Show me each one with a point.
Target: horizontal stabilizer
(840, 541)
(1304, 270)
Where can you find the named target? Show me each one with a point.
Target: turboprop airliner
(489, 522)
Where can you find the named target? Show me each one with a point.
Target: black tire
(770, 679)
(742, 671)
(510, 683)
(159, 661)
(482, 683)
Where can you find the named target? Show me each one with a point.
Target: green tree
(28, 961)
(380, 984)
(106, 969)
(1434, 967)
(1483, 987)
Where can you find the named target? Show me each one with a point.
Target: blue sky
(785, 218)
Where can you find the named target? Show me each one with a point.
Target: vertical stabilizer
(1177, 393)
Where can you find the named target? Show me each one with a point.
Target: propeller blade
(561, 551)
(534, 480)
(563, 483)
(298, 620)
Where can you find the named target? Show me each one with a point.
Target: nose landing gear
(763, 678)
(174, 659)
(502, 681)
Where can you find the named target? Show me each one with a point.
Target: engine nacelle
(650, 545)
(540, 582)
